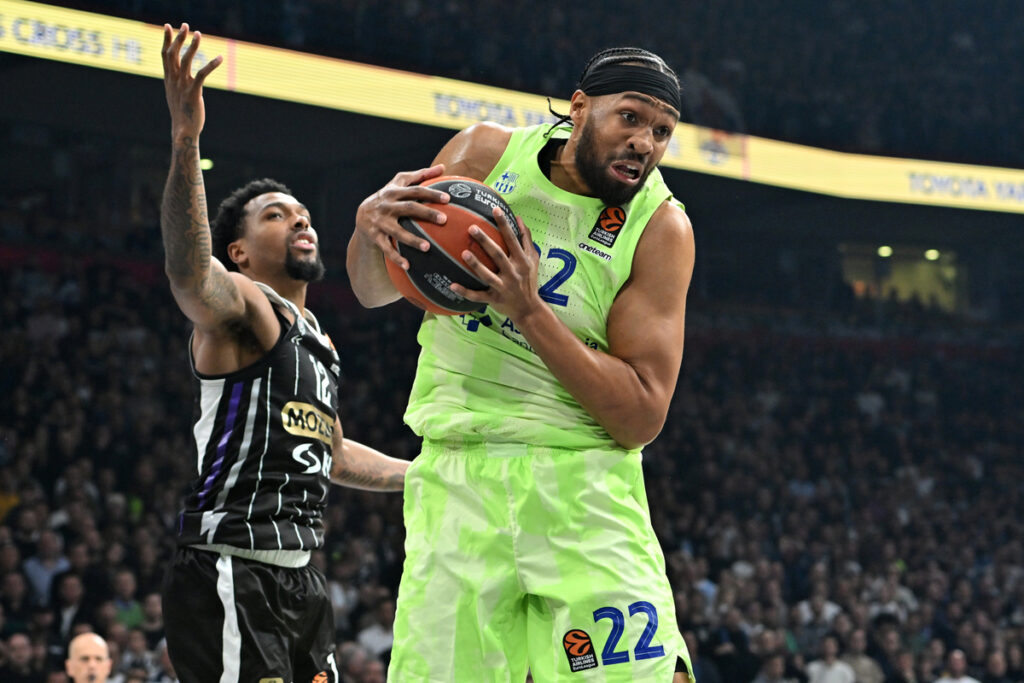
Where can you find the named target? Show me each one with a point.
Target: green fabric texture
(477, 378)
(509, 548)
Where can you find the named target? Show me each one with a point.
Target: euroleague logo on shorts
(580, 650)
(320, 677)
(608, 224)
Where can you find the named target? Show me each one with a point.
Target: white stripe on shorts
(231, 637)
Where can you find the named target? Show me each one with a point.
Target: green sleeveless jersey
(477, 377)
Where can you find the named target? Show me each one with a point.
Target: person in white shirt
(830, 669)
(956, 669)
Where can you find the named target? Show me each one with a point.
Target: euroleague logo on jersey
(579, 649)
(608, 224)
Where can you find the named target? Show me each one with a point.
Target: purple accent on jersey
(229, 427)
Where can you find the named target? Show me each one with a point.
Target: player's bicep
(646, 324)
(474, 151)
(227, 300)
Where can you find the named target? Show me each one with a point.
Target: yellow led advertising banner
(39, 30)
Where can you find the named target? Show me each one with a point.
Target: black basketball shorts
(230, 619)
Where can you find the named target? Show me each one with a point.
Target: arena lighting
(89, 39)
(932, 254)
(885, 251)
(206, 164)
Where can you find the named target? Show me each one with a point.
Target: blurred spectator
(137, 656)
(704, 670)
(14, 597)
(69, 605)
(48, 561)
(128, 610)
(152, 621)
(904, 671)
(165, 669)
(773, 670)
(830, 669)
(956, 669)
(18, 665)
(352, 659)
(378, 635)
(995, 669)
(865, 669)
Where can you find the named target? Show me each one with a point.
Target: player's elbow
(373, 297)
(638, 429)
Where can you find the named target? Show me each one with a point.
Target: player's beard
(307, 270)
(595, 173)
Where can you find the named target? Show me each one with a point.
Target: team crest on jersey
(507, 182)
(608, 224)
(580, 650)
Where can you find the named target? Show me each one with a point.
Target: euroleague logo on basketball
(460, 190)
(606, 229)
(579, 649)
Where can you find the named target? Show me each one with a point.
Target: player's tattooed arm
(201, 285)
(356, 465)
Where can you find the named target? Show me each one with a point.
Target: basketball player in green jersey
(529, 543)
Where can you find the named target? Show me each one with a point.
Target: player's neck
(287, 288)
(564, 173)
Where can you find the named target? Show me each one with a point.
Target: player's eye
(629, 116)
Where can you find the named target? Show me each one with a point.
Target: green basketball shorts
(531, 559)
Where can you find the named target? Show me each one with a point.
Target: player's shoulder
(671, 218)
(487, 133)
(667, 237)
(474, 151)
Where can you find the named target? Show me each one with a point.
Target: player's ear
(237, 254)
(578, 106)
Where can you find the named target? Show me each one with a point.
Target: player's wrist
(184, 136)
(532, 315)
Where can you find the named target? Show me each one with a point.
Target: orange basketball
(427, 282)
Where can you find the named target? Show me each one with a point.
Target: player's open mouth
(627, 171)
(304, 242)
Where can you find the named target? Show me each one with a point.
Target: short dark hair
(226, 227)
(628, 55)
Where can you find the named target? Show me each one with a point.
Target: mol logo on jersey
(302, 419)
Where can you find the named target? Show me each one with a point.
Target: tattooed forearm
(184, 221)
(386, 474)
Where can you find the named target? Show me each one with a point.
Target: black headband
(616, 78)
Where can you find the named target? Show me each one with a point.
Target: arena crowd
(838, 486)
(905, 78)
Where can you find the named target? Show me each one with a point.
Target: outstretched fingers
(207, 69)
(190, 53)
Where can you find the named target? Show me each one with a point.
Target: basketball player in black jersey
(241, 601)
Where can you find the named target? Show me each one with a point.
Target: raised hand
(184, 91)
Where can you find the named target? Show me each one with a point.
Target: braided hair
(617, 55)
(227, 226)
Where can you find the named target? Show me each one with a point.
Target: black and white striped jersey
(263, 439)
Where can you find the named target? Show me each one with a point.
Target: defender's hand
(377, 217)
(184, 91)
(512, 288)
